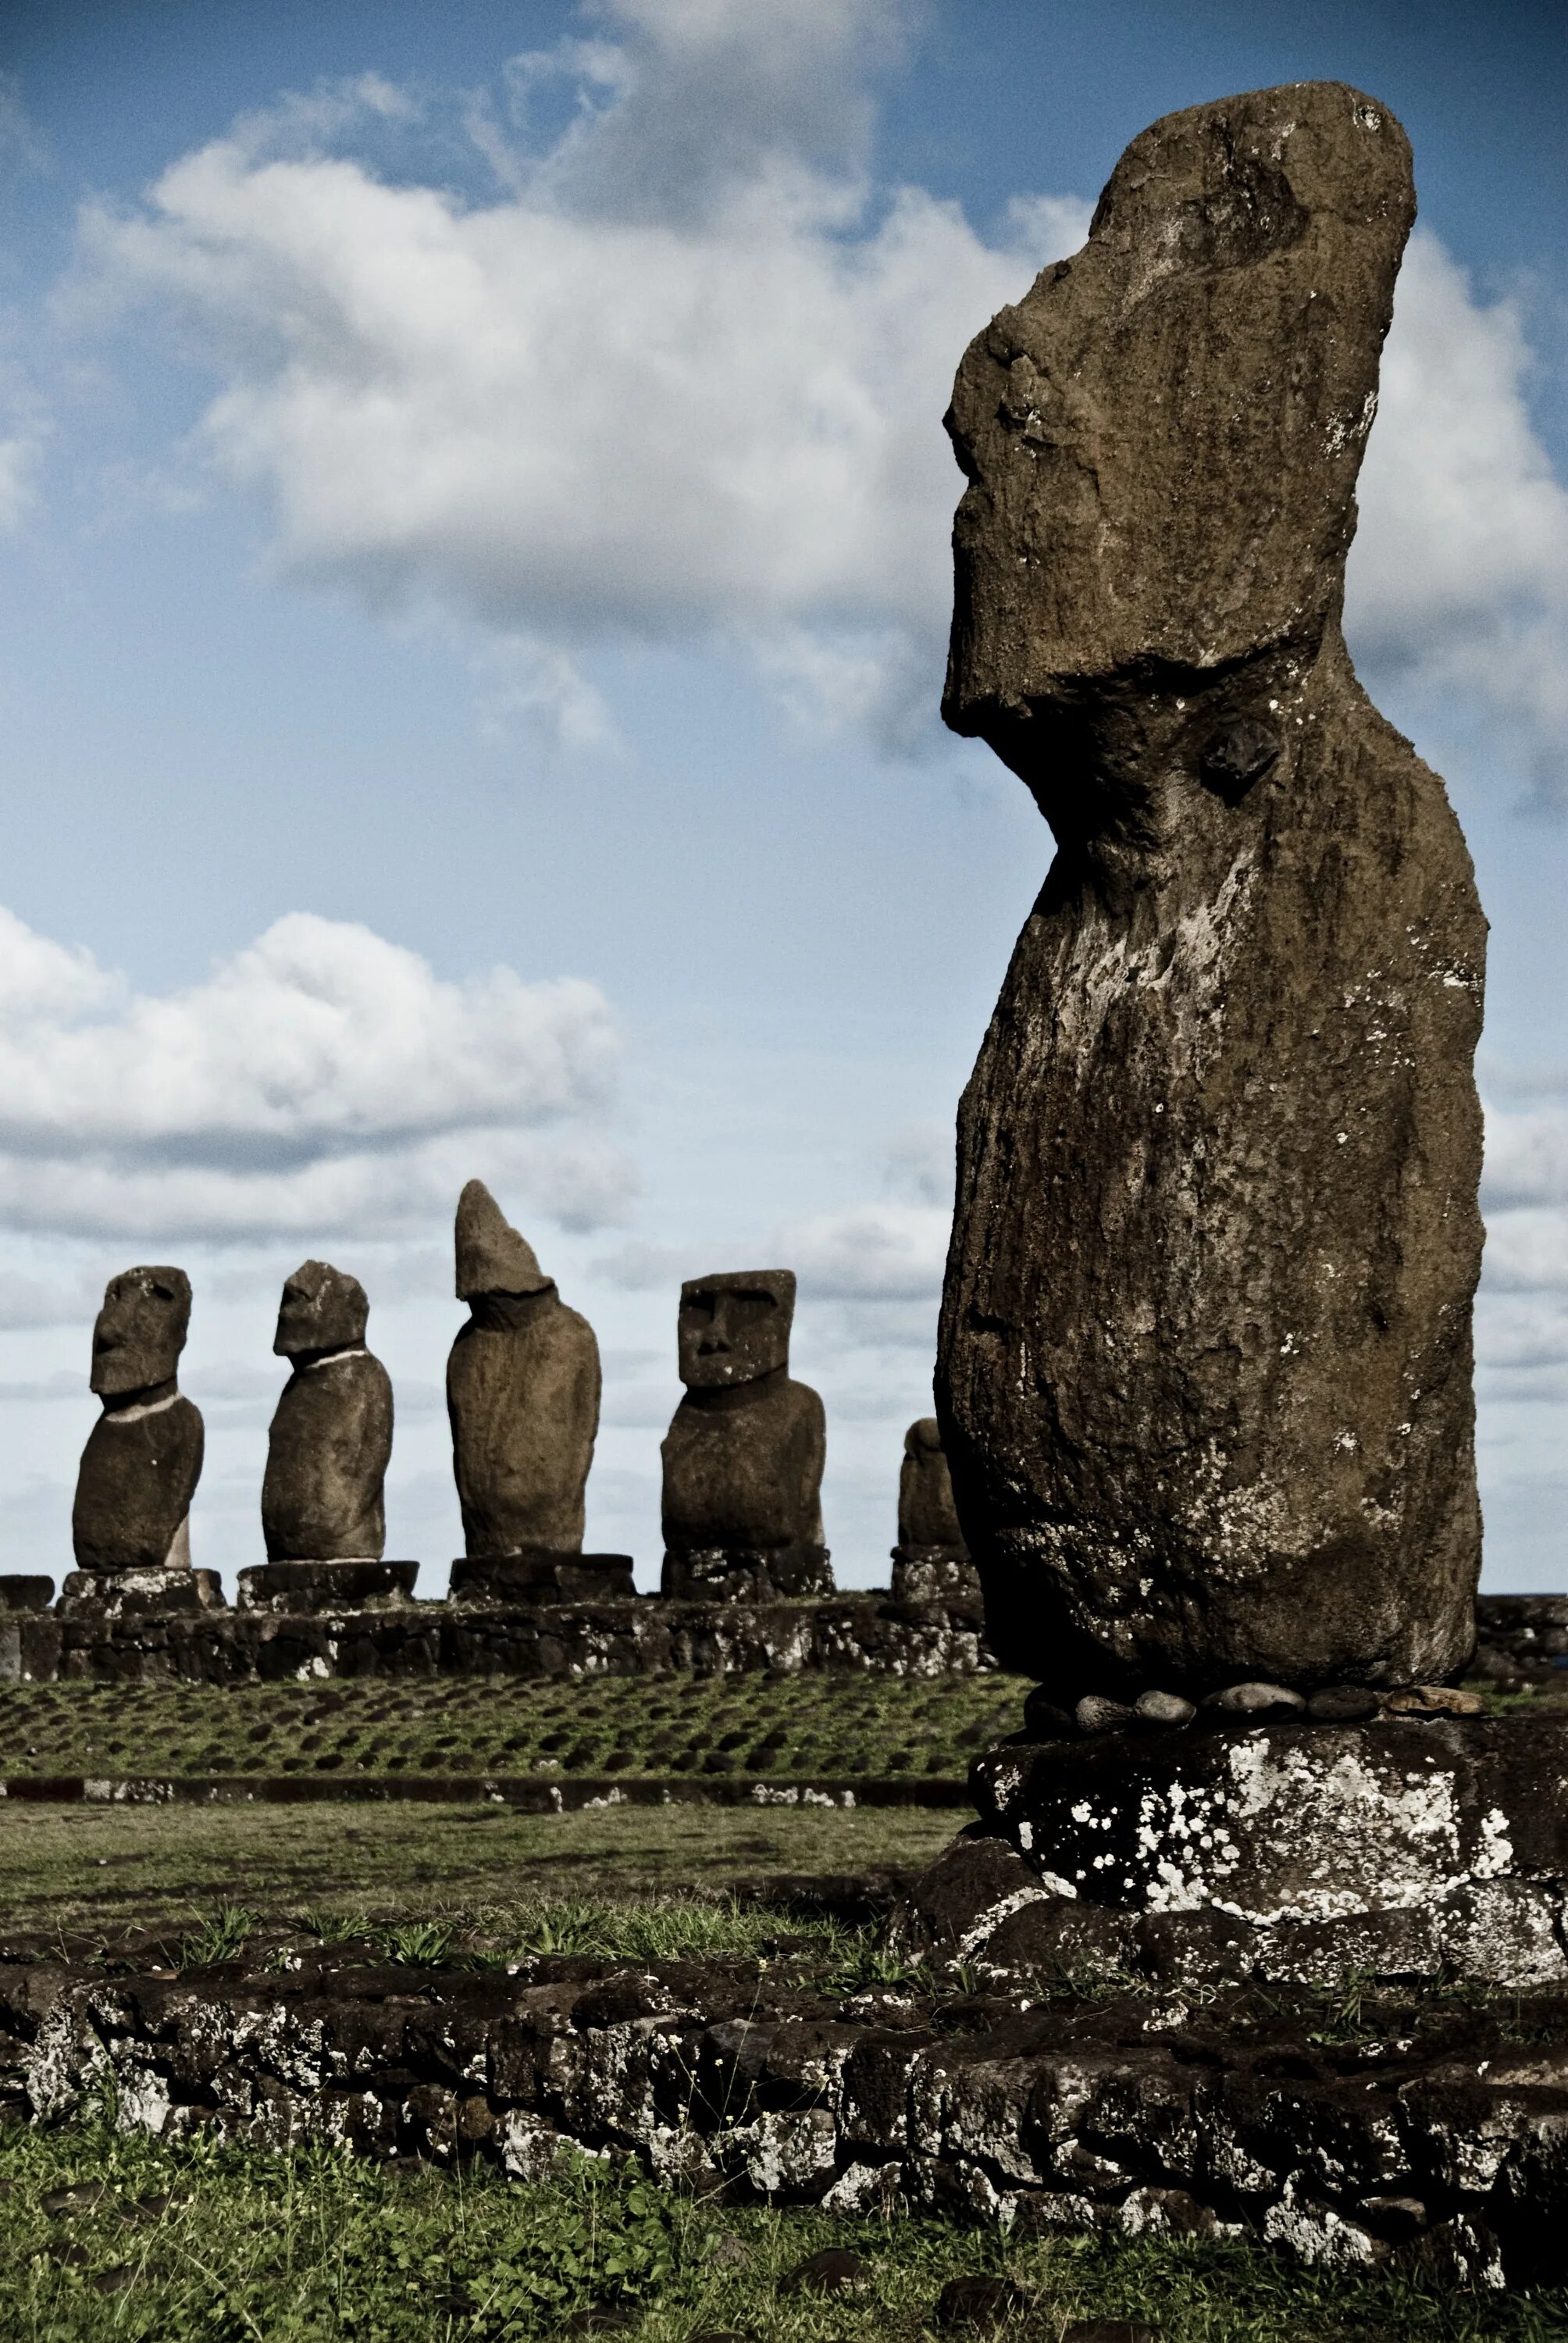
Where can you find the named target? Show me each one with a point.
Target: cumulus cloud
(683, 380)
(321, 1081)
(1458, 580)
(645, 395)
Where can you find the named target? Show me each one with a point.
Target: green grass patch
(113, 2235)
(105, 1869)
(829, 1726)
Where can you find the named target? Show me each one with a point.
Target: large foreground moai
(522, 1392)
(743, 1457)
(331, 1438)
(1205, 1351)
(142, 1457)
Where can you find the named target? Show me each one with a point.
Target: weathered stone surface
(325, 1586)
(539, 1578)
(743, 1457)
(131, 1629)
(522, 1392)
(739, 1573)
(121, 1603)
(1290, 1822)
(143, 1458)
(322, 1499)
(1205, 1354)
(1436, 2131)
(23, 1593)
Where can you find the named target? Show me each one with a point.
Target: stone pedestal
(316, 1587)
(127, 1594)
(935, 1573)
(1296, 1852)
(801, 1574)
(19, 1594)
(533, 1579)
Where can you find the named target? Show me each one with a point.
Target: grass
(165, 2240)
(822, 1724)
(106, 1869)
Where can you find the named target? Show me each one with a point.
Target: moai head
(735, 1327)
(492, 1258)
(1162, 436)
(140, 1330)
(323, 1308)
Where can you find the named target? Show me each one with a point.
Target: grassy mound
(826, 1725)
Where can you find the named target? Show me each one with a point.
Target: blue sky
(472, 597)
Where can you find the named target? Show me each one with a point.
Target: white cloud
(685, 380)
(1458, 579)
(595, 409)
(874, 1252)
(321, 1081)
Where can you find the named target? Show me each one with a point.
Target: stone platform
(1402, 1847)
(645, 1636)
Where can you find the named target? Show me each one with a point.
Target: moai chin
(743, 1457)
(930, 1560)
(1205, 1372)
(143, 1458)
(331, 1439)
(522, 1392)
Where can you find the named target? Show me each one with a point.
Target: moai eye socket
(1239, 755)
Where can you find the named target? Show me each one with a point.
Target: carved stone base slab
(934, 1573)
(110, 1595)
(1403, 1845)
(747, 1573)
(539, 1576)
(23, 1593)
(319, 1587)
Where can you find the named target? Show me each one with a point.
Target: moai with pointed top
(743, 1458)
(1205, 1353)
(931, 1563)
(322, 1500)
(143, 1458)
(523, 1395)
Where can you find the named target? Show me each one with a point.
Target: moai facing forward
(522, 1396)
(930, 1561)
(331, 1438)
(144, 1455)
(743, 1458)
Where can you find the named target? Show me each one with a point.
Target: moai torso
(1205, 1368)
(143, 1459)
(930, 1561)
(743, 1457)
(744, 1467)
(522, 1392)
(926, 1514)
(322, 1499)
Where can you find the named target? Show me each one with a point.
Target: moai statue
(743, 1457)
(1205, 1369)
(930, 1561)
(331, 1437)
(522, 1396)
(142, 1457)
